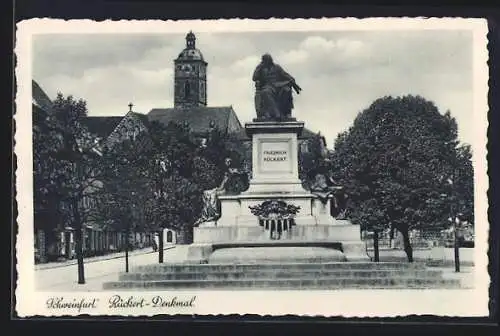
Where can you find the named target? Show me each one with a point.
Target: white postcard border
(348, 303)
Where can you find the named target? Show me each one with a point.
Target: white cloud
(341, 73)
(245, 66)
(294, 56)
(152, 77)
(344, 46)
(318, 43)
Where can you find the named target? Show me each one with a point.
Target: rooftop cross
(130, 107)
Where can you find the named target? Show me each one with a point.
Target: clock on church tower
(190, 79)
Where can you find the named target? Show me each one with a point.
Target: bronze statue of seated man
(273, 91)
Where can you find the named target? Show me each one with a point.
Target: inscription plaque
(270, 155)
(275, 156)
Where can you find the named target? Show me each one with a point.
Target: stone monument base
(200, 253)
(235, 209)
(345, 232)
(275, 178)
(276, 254)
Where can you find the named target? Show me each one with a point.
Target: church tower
(190, 79)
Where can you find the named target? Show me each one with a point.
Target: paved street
(64, 263)
(440, 255)
(64, 277)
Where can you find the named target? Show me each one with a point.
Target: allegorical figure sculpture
(211, 205)
(273, 91)
(324, 186)
(235, 180)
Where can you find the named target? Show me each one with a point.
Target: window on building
(170, 237)
(304, 147)
(187, 90)
(136, 132)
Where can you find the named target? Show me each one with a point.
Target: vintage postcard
(326, 167)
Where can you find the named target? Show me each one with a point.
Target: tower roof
(190, 53)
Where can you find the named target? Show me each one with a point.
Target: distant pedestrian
(154, 245)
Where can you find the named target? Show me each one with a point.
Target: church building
(190, 96)
(190, 107)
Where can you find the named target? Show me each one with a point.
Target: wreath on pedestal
(274, 209)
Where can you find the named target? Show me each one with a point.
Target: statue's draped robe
(324, 188)
(321, 188)
(234, 181)
(211, 206)
(273, 97)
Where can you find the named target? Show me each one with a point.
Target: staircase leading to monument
(289, 276)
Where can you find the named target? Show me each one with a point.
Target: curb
(74, 262)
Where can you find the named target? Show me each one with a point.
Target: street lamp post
(127, 245)
(456, 244)
(127, 242)
(455, 221)
(128, 232)
(162, 170)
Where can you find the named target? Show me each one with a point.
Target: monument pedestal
(275, 176)
(275, 167)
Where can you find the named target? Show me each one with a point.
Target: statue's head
(267, 59)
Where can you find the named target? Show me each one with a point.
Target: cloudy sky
(341, 73)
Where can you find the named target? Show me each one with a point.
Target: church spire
(190, 79)
(190, 40)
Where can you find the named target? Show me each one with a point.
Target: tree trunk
(391, 237)
(375, 246)
(78, 241)
(456, 247)
(160, 246)
(407, 245)
(67, 244)
(127, 242)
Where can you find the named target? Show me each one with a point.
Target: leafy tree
(312, 161)
(175, 144)
(179, 205)
(211, 163)
(189, 166)
(124, 191)
(65, 167)
(171, 167)
(395, 162)
(463, 179)
(206, 174)
(47, 198)
(169, 177)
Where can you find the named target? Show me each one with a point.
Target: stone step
(280, 284)
(281, 274)
(159, 268)
(276, 254)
